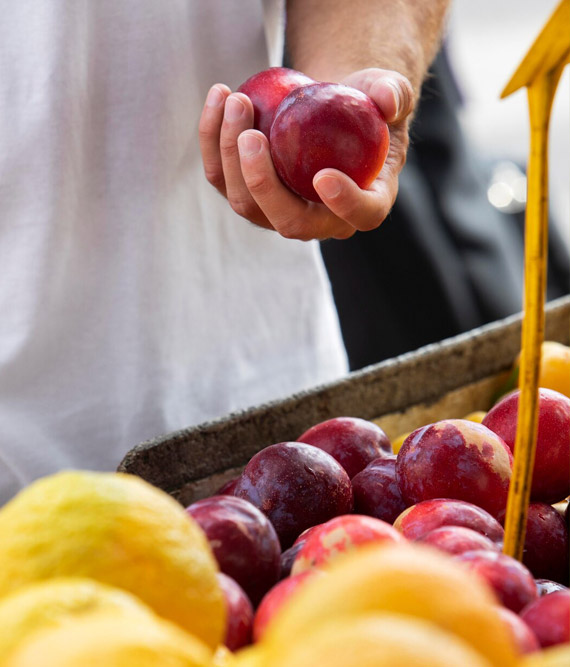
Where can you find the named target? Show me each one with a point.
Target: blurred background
(487, 40)
(449, 257)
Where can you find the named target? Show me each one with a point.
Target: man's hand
(237, 162)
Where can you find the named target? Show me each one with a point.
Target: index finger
(290, 215)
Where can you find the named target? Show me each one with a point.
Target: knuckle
(228, 147)
(215, 177)
(293, 230)
(245, 208)
(407, 95)
(348, 209)
(205, 131)
(258, 183)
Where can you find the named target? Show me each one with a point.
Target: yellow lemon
(119, 530)
(555, 367)
(53, 602)
(555, 656)
(112, 640)
(406, 579)
(223, 657)
(377, 640)
(476, 416)
(252, 656)
(399, 441)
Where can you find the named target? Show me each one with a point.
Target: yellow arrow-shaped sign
(539, 72)
(550, 48)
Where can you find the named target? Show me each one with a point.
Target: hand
(237, 162)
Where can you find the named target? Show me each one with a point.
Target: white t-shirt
(133, 301)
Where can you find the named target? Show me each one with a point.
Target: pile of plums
(313, 125)
(296, 505)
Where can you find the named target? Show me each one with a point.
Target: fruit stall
(449, 379)
(415, 512)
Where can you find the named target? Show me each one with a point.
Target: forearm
(328, 39)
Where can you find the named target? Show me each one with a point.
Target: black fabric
(445, 260)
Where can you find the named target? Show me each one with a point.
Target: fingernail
(329, 186)
(248, 145)
(234, 109)
(215, 97)
(396, 91)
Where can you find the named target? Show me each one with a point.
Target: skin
(381, 47)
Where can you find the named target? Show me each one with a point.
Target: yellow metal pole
(540, 97)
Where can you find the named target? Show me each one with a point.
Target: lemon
(407, 579)
(378, 640)
(554, 656)
(399, 441)
(112, 640)
(476, 416)
(223, 657)
(252, 656)
(119, 530)
(555, 367)
(53, 602)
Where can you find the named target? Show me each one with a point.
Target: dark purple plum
(457, 540)
(546, 543)
(524, 638)
(430, 514)
(327, 125)
(549, 618)
(376, 491)
(547, 586)
(227, 489)
(512, 582)
(455, 458)
(551, 477)
(296, 486)
(243, 540)
(267, 89)
(288, 556)
(352, 441)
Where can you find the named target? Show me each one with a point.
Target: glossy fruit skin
(551, 479)
(227, 489)
(376, 491)
(546, 543)
(352, 441)
(397, 578)
(296, 486)
(524, 637)
(289, 555)
(512, 582)
(287, 560)
(455, 458)
(239, 613)
(427, 515)
(327, 125)
(243, 540)
(547, 586)
(274, 600)
(549, 618)
(267, 89)
(341, 534)
(457, 540)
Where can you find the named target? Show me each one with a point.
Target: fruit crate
(443, 380)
